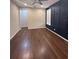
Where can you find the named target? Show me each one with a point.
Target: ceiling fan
(38, 2)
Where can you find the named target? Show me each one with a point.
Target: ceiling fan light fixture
(25, 4)
(41, 5)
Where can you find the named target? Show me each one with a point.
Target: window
(49, 17)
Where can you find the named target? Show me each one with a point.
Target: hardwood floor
(38, 44)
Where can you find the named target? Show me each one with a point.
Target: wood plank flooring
(37, 44)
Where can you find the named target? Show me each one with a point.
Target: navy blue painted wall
(59, 19)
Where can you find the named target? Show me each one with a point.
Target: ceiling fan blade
(33, 3)
(40, 3)
(37, 1)
(43, 0)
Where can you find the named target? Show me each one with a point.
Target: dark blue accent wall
(59, 18)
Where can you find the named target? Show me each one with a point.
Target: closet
(59, 18)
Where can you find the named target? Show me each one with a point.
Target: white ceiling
(46, 4)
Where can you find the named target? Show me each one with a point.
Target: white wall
(14, 20)
(35, 18)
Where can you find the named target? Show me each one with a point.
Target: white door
(23, 17)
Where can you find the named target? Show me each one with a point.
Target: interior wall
(14, 19)
(35, 18)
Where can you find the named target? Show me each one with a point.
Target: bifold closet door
(55, 18)
(64, 18)
(59, 18)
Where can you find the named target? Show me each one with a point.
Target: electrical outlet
(54, 29)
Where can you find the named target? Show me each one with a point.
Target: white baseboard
(15, 33)
(36, 28)
(57, 35)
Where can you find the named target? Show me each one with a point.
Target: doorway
(23, 17)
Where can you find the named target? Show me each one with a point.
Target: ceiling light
(25, 4)
(41, 5)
